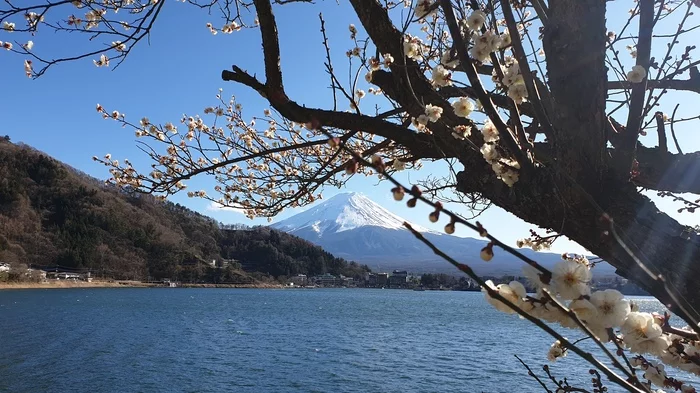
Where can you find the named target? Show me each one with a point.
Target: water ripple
(215, 340)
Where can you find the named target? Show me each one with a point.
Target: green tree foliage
(54, 215)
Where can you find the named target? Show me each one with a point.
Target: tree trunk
(661, 243)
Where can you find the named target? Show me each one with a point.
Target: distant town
(397, 279)
(401, 279)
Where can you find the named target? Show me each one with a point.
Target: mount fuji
(352, 226)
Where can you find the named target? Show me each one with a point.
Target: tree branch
(663, 171)
(661, 131)
(521, 56)
(634, 118)
(526, 108)
(484, 97)
(692, 85)
(271, 45)
(418, 144)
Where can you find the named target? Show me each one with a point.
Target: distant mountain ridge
(54, 215)
(343, 212)
(354, 227)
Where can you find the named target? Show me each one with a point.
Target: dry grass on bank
(56, 284)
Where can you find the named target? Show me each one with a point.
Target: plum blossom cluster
(513, 80)
(101, 19)
(655, 374)
(425, 8)
(257, 164)
(536, 244)
(605, 313)
(413, 47)
(227, 28)
(483, 42)
(431, 114)
(505, 168)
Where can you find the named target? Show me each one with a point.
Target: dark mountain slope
(52, 214)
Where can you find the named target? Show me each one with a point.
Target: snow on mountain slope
(353, 227)
(343, 212)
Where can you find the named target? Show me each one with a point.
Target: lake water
(249, 340)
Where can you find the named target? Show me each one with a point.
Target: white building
(299, 279)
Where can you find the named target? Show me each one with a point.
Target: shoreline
(119, 284)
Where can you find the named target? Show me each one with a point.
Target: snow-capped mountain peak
(352, 226)
(343, 212)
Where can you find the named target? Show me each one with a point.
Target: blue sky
(179, 72)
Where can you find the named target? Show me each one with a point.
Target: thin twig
(673, 131)
(533, 375)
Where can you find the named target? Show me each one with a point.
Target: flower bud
(487, 253)
(378, 163)
(334, 142)
(352, 166)
(434, 216)
(411, 202)
(450, 228)
(415, 191)
(398, 193)
(482, 230)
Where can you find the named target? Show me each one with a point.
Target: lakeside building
(68, 276)
(377, 280)
(348, 281)
(398, 279)
(299, 280)
(223, 263)
(327, 280)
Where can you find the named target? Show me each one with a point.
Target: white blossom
(462, 132)
(476, 20)
(556, 351)
(103, 62)
(447, 60)
(388, 60)
(570, 279)
(423, 9)
(119, 46)
(488, 150)
(517, 92)
(504, 40)
(507, 292)
(480, 52)
(611, 306)
(441, 76)
(463, 107)
(518, 288)
(584, 309)
(655, 373)
(412, 50)
(533, 277)
(642, 334)
(489, 131)
(637, 74)
(433, 112)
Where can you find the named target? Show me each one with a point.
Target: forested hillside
(51, 214)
